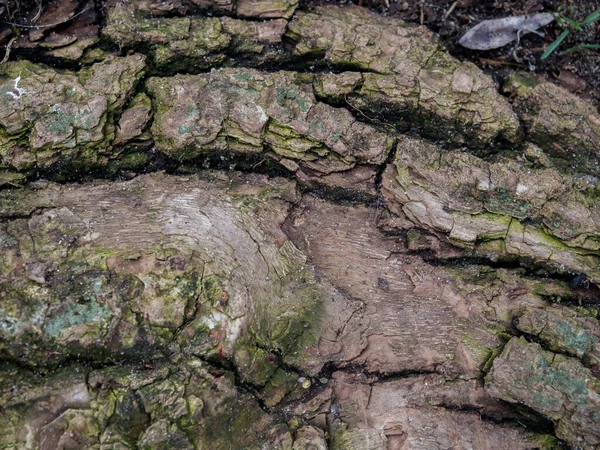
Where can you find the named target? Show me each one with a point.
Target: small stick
(8, 48)
(39, 13)
(37, 27)
(447, 13)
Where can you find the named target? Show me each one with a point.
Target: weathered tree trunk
(322, 232)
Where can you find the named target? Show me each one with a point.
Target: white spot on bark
(462, 82)
(521, 188)
(263, 116)
(483, 185)
(29, 438)
(20, 91)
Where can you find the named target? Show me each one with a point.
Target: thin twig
(37, 27)
(39, 12)
(422, 18)
(8, 47)
(447, 13)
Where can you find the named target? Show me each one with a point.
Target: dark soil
(579, 72)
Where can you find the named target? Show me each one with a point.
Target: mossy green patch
(286, 93)
(502, 202)
(212, 288)
(239, 423)
(521, 83)
(244, 77)
(75, 314)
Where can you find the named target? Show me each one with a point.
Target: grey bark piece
(481, 205)
(268, 9)
(201, 267)
(564, 125)
(134, 121)
(405, 72)
(104, 290)
(48, 116)
(554, 385)
(310, 437)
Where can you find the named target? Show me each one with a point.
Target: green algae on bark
(530, 212)
(404, 72)
(554, 385)
(565, 331)
(191, 43)
(49, 116)
(565, 126)
(275, 114)
(157, 405)
(211, 273)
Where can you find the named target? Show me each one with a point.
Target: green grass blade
(563, 20)
(582, 47)
(555, 44)
(593, 17)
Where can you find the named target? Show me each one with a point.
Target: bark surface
(315, 231)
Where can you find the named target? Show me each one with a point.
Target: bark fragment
(134, 121)
(415, 413)
(246, 8)
(556, 386)
(158, 405)
(507, 207)
(564, 331)
(564, 125)
(275, 114)
(48, 115)
(193, 43)
(404, 71)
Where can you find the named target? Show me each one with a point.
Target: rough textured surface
(504, 208)
(47, 115)
(566, 126)
(275, 114)
(215, 276)
(194, 43)
(564, 331)
(91, 285)
(555, 385)
(404, 72)
(403, 414)
(363, 289)
(151, 406)
(256, 9)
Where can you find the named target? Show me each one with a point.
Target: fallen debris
(491, 34)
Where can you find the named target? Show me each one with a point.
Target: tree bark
(317, 231)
